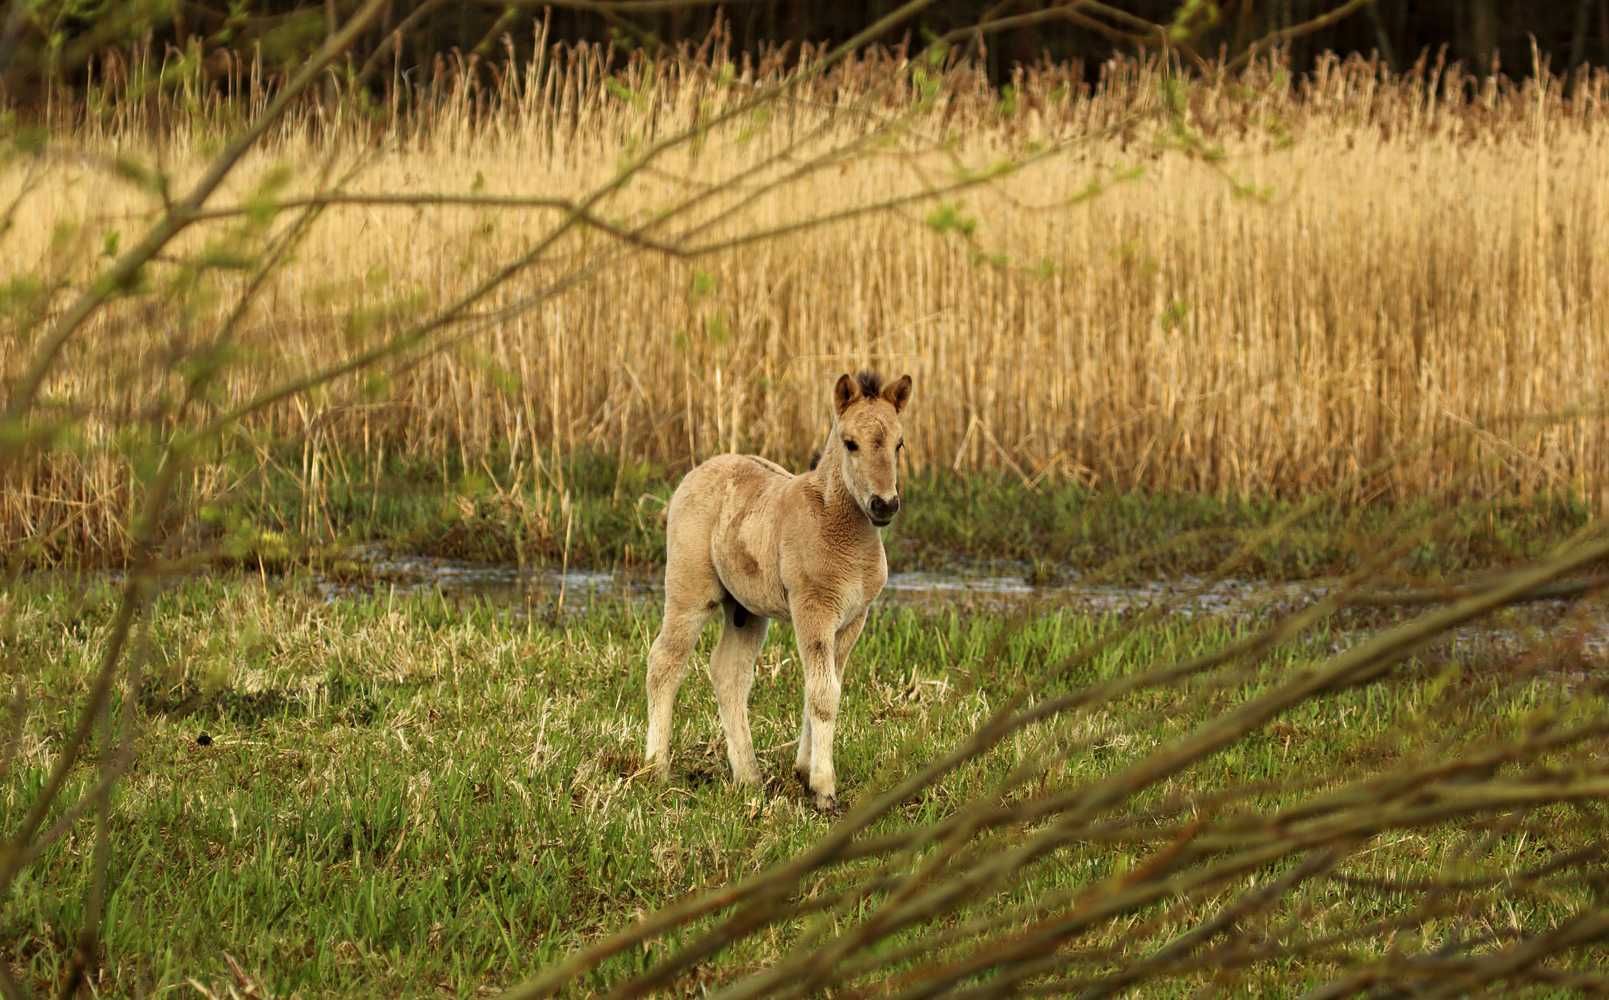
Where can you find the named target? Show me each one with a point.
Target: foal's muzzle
(883, 510)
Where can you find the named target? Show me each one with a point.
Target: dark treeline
(1481, 33)
(1477, 32)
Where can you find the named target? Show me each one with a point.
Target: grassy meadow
(411, 796)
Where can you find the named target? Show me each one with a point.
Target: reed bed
(1232, 283)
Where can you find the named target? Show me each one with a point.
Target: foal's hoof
(828, 805)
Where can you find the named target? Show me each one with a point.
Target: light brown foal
(746, 535)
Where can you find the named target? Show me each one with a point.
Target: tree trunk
(1578, 41)
(1483, 34)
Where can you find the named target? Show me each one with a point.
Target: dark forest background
(59, 36)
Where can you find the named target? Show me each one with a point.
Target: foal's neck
(841, 506)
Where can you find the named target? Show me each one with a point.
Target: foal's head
(869, 429)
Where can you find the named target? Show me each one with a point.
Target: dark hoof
(828, 805)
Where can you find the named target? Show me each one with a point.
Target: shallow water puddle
(574, 590)
(411, 574)
(1185, 595)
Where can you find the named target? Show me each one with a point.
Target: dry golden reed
(1240, 284)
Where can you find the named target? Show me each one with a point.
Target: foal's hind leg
(732, 674)
(690, 599)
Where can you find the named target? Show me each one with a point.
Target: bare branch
(1308, 27)
(437, 200)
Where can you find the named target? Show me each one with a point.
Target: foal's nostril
(885, 508)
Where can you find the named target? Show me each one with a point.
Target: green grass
(609, 514)
(405, 795)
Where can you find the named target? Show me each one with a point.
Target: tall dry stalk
(1281, 281)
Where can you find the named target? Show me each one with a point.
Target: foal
(747, 536)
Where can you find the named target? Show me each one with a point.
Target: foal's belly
(749, 570)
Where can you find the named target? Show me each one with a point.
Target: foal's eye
(852, 446)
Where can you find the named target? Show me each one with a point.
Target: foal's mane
(871, 383)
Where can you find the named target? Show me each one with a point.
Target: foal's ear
(844, 393)
(899, 393)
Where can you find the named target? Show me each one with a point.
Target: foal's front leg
(823, 649)
(844, 642)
